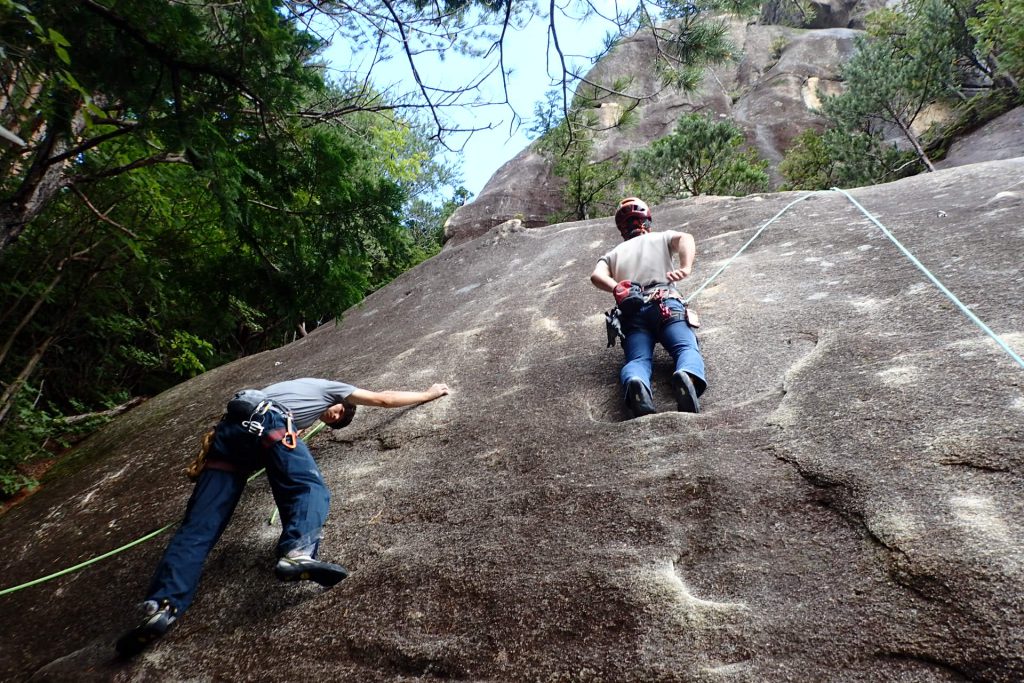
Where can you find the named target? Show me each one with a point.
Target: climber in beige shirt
(641, 274)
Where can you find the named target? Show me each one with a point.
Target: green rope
(153, 534)
(749, 242)
(82, 565)
(942, 288)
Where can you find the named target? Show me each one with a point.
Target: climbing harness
(287, 435)
(313, 431)
(658, 292)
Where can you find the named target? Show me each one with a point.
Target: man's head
(633, 218)
(339, 415)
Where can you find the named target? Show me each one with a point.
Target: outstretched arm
(683, 245)
(397, 399)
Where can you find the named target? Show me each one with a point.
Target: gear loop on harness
(656, 292)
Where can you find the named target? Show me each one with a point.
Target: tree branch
(102, 215)
(164, 158)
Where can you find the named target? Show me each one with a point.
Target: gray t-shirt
(308, 397)
(644, 259)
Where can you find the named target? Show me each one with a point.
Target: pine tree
(893, 77)
(700, 156)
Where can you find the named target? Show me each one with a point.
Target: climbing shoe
(639, 399)
(157, 618)
(305, 568)
(686, 394)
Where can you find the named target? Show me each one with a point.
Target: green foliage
(211, 203)
(425, 221)
(693, 44)
(894, 76)
(739, 8)
(778, 45)
(998, 27)
(885, 85)
(34, 434)
(922, 53)
(188, 352)
(808, 165)
(22, 438)
(700, 156)
(569, 135)
(819, 161)
(590, 186)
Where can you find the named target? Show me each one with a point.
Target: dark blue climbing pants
(298, 488)
(647, 327)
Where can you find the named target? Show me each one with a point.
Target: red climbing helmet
(633, 217)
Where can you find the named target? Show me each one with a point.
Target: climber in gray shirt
(259, 429)
(307, 398)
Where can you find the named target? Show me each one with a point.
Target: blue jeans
(645, 328)
(298, 488)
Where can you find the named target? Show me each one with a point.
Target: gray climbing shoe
(157, 619)
(305, 568)
(686, 394)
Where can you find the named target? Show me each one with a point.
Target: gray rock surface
(1000, 138)
(848, 507)
(522, 189)
(769, 90)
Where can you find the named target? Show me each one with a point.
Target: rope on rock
(942, 288)
(749, 242)
(906, 252)
(153, 534)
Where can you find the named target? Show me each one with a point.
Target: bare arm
(602, 277)
(684, 246)
(397, 399)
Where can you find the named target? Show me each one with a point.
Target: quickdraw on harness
(286, 435)
(249, 408)
(637, 297)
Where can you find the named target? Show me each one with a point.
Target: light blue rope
(942, 288)
(749, 242)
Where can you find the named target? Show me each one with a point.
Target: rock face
(769, 91)
(1000, 138)
(522, 189)
(847, 508)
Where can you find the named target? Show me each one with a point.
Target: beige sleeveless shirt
(644, 259)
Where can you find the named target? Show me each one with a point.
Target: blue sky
(526, 54)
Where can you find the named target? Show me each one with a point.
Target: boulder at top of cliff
(522, 189)
(770, 91)
(847, 506)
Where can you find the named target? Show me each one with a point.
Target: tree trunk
(909, 134)
(38, 187)
(113, 412)
(9, 394)
(43, 180)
